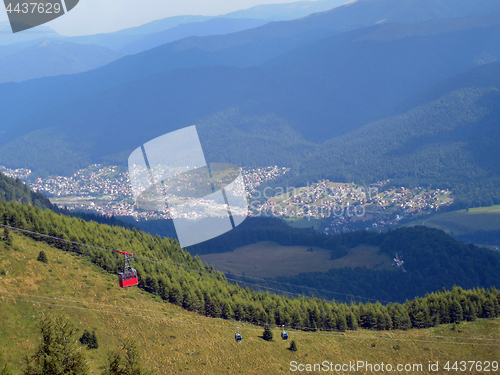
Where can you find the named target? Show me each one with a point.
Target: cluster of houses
(413, 201)
(107, 191)
(350, 207)
(21, 173)
(254, 177)
(320, 200)
(94, 181)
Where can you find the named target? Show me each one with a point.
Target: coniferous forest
(168, 271)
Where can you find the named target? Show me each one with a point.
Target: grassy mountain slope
(172, 340)
(464, 222)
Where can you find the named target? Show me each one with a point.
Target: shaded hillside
(14, 190)
(245, 48)
(265, 12)
(6, 36)
(486, 237)
(448, 143)
(432, 259)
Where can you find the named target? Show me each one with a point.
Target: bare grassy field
(462, 221)
(269, 259)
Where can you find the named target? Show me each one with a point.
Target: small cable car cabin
(128, 277)
(237, 336)
(284, 335)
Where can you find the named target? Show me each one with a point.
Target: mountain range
(274, 94)
(51, 58)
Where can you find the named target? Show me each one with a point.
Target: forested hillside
(15, 190)
(170, 272)
(447, 143)
(12, 189)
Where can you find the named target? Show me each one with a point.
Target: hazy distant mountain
(319, 91)
(242, 49)
(51, 58)
(134, 40)
(287, 11)
(215, 26)
(39, 32)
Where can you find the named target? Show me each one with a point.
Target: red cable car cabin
(129, 275)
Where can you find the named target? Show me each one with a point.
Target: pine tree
(488, 309)
(85, 339)
(456, 313)
(268, 334)
(57, 353)
(293, 346)
(42, 257)
(93, 341)
(129, 364)
(89, 339)
(7, 237)
(342, 323)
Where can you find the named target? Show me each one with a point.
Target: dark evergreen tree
(342, 323)
(488, 309)
(456, 313)
(293, 346)
(268, 334)
(93, 341)
(42, 257)
(89, 339)
(7, 237)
